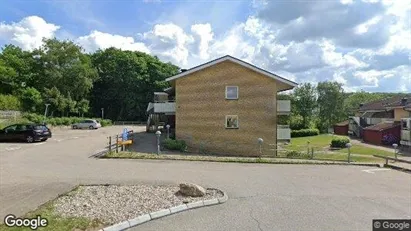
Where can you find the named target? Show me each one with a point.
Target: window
(231, 92)
(231, 121)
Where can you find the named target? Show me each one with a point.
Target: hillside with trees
(78, 84)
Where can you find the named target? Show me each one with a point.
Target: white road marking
(375, 170)
(13, 148)
(37, 144)
(75, 137)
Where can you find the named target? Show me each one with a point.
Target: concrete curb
(406, 170)
(165, 212)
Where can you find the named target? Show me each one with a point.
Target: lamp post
(45, 113)
(395, 150)
(168, 131)
(102, 113)
(158, 134)
(260, 142)
(349, 145)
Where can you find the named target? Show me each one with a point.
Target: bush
(297, 154)
(339, 142)
(305, 132)
(60, 121)
(9, 102)
(175, 144)
(105, 122)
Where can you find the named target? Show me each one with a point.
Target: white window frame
(226, 96)
(225, 122)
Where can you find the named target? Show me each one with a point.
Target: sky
(363, 44)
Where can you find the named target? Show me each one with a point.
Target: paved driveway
(262, 197)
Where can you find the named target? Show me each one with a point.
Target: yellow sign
(125, 142)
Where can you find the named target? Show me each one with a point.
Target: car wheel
(45, 139)
(29, 139)
(91, 127)
(74, 127)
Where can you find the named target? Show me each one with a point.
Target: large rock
(192, 190)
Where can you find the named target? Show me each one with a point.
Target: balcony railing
(283, 107)
(372, 121)
(168, 107)
(283, 132)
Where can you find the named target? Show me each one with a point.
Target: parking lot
(262, 196)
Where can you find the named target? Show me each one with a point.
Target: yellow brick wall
(400, 113)
(201, 109)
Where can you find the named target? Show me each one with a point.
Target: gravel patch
(114, 203)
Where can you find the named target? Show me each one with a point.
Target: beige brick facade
(201, 108)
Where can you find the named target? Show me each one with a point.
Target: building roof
(235, 60)
(382, 126)
(383, 104)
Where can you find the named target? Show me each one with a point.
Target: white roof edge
(240, 62)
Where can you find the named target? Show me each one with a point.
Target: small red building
(341, 128)
(382, 134)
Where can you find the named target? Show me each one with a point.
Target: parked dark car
(25, 132)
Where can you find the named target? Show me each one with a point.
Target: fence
(115, 142)
(9, 114)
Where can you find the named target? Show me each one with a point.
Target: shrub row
(339, 142)
(305, 132)
(60, 121)
(297, 154)
(171, 144)
(9, 102)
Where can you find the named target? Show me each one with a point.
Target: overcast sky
(364, 44)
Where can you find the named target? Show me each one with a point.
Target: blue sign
(125, 134)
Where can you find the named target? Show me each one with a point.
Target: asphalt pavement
(261, 196)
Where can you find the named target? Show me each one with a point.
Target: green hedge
(339, 142)
(171, 144)
(297, 154)
(305, 132)
(61, 121)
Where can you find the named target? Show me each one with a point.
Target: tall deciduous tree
(305, 102)
(330, 104)
(126, 82)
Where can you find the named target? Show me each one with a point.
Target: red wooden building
(341, 128)
(382, 134)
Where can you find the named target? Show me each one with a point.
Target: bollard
(395, 150)
(260, 142)
(308, 147)
(312, 153)
(158, 134)
(168, 131)
(349, 152)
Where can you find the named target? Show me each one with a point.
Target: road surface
(261, 196)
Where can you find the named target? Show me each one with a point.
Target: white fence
(9, 114)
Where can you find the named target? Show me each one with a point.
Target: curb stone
(165, 212)
(160, 213)
(119, 226)
(178, 208)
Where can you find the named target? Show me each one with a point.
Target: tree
(305, 102)
(330, 104)
(127, 81)
(82, 107)
(62, 64)
(30, 99)
(15, 68)
(353, 101)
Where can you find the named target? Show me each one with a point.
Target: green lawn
(320, 142)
